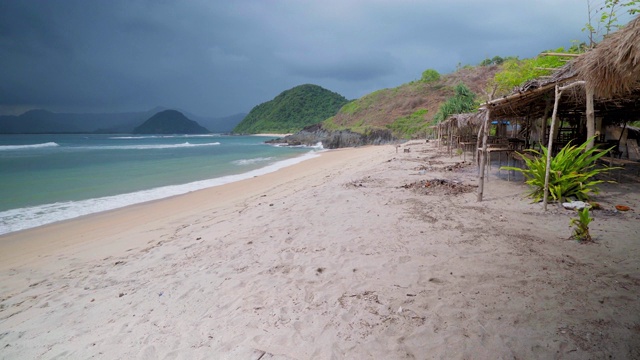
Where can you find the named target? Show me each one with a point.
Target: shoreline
(90, 206)
(16, 244)
(358, 253)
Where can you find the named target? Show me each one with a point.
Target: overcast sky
(218, 57)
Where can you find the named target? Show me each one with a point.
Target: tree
(604, 19)
(430, 75)
(496, 60)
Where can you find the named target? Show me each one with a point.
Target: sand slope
(333, 258)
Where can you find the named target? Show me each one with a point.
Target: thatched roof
(613, 67)
(459, 121)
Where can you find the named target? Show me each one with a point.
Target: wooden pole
(543, 122)
(558, 92)
(483, 157)
(480, 134)
(548, 169)
(591, 118)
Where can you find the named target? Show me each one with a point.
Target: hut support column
(478, 139)
(551, 135)
(483, 154)
(591, 119)
(551, 131)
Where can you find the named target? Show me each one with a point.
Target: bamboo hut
(460, 130)
(598, 88)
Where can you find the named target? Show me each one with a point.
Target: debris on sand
(440, 186)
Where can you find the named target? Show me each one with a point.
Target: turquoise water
(48, 178)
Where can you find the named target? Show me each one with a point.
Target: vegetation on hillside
(409, 109)
(292, 110)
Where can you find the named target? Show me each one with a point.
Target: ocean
(49, 178)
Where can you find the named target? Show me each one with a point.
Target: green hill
(292, 110)
(170, 122)
(407, 110)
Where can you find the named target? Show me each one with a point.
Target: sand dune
(339, 257)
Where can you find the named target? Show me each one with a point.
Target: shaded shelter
(600, 87)
(460, 131)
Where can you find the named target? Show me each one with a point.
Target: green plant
(571, 172)
(463, 101)
(581, 225)
(430, 75)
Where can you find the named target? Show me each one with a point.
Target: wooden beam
(559, 54)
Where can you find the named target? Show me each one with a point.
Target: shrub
(430, 75)
(572, 172)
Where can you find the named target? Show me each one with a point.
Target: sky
(216, 58)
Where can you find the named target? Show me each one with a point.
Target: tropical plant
(463, 101)
(572, 172)
(581, 225)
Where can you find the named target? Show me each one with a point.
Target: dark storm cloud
(221, 57)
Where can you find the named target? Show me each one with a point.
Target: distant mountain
(292, 110)
(223, 124)
(43, 121)
(170, 122)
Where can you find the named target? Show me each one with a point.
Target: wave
(317, 146)
(145, 147)
(161, 136)
(251, 161)
(31, 146)
(30, 217)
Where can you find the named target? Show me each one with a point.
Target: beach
(372, 252)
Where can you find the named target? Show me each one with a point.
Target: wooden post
(543, 122)
(483, 157)
(591, 118)
(551, 135)
(551, 130)
(475, 151)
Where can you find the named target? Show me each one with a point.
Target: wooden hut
(598, 88)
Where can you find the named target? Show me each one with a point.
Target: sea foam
(30, 146)
(145, 147)
(30, 217)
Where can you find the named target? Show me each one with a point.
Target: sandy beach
(373, 252)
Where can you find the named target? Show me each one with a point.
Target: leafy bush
(430, 75)
(571, 175)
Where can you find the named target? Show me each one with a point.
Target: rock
(575, 205)
(330, 139)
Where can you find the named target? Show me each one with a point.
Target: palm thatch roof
(613, 67)
(459, 121)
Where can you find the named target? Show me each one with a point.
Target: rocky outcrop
(333, 139)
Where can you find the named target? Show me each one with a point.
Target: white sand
(328, 259)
